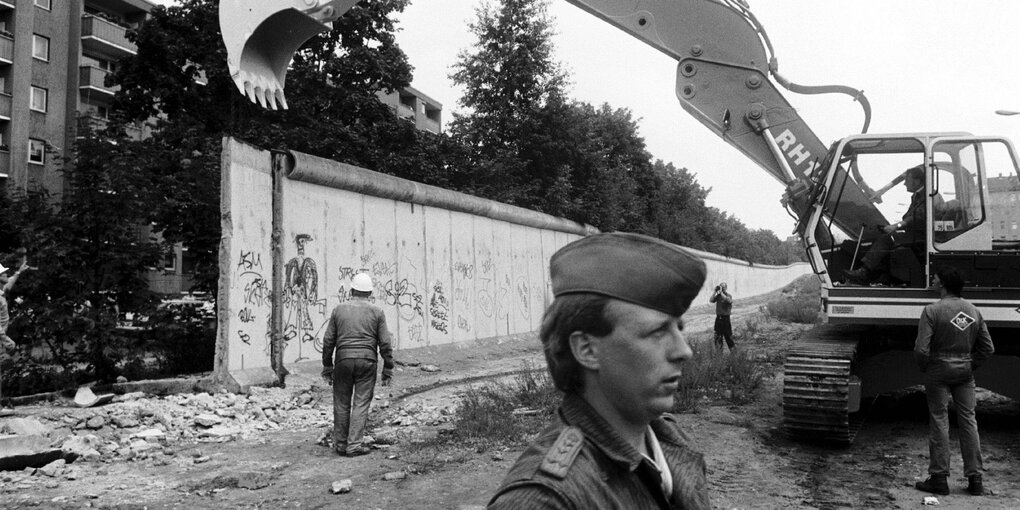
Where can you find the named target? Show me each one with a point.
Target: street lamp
(1007, 112)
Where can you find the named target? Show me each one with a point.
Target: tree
(91, 254)
(509, 79)
(179, 82)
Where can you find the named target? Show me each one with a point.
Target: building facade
(55, 56)
(411, 104)
(1004, 208)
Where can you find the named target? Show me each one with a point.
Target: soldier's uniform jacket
(580, 462)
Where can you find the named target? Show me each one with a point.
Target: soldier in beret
(614, 343)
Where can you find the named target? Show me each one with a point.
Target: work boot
(860, 276)
(357, 451)
(974, 485)
(935, 484)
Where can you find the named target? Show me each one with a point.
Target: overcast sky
(925, 65)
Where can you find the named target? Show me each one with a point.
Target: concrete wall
(448, 267)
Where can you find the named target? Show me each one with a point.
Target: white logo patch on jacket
(962, 321)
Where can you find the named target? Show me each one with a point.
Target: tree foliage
(91, 255)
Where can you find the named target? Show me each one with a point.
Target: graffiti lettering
(466, 271)
(245, 337)
(246, 315)
(484, 302)
(384, 269)
(487, 266)
(256, 292)
(439, 326)
(367, 257)
(403, 295)
(346, 273)
(463, 323)
(416, 333)
(439, 308)
(249, 260)
(523, 296)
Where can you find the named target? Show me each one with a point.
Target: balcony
(6, 48)
(104, 37)
(5, 162)
(93, 80)
(5, 107)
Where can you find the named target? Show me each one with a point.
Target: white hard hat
(362, 282)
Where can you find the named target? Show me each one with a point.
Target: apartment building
(55, 56)
(1004, 207)
(412, 105)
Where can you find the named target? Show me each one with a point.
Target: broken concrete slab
(25, 427)
(86, 398)
(20, 452)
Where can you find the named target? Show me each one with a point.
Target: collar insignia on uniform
(962, 321)
(563, 452)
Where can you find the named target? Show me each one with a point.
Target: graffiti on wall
(301, 300)
(256, 298)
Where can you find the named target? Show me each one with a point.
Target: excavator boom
(723, 78)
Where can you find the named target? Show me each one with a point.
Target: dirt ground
(752, 464)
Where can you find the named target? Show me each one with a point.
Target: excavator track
(816, 386)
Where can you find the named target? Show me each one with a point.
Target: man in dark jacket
(614, 344)
(908, 231)
(952, 341)
(357, 332)
(723, 308)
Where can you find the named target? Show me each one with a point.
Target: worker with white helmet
(357, 333)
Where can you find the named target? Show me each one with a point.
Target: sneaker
(974, 485)
(341, 451)
(935, 484)
(357, 451)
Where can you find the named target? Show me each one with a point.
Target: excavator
(728, 79)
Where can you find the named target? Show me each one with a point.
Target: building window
(36, 151)
(41, 47)
(170, 261)
(45, 4)
(38, 99)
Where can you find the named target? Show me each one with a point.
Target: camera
(717, 287)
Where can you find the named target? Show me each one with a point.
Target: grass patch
(800, 302)
(717, 375)
(497, 415)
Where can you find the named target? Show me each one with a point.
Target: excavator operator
(908, 231)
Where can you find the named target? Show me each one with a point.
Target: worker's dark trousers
(945, 378)
(723, 331)
(353, 387)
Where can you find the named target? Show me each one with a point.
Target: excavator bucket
(261, 37)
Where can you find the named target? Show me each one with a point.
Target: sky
(925, 65)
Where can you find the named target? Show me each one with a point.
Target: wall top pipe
(325, 172)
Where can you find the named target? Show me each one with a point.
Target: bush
(800, 302)
(711, 373)
(181, 336)
(503, 413)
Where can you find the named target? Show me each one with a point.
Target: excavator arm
(724, 79)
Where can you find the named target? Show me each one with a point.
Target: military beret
(631, 267)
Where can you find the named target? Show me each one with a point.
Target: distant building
(1004, 207)
(409, 103)
(54, 58)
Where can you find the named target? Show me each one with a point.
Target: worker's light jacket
(580, 462)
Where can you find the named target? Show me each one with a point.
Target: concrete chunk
(20, 452)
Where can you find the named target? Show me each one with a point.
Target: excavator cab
(966, 219)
